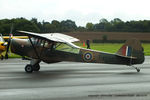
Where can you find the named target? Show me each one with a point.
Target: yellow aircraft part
(2, 48)
(19, 37)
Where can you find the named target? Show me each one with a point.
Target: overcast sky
(80, 11)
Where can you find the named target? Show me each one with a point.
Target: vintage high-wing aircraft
(57, 47)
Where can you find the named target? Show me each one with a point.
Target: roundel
(88, 56)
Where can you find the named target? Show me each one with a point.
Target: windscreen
(66, 48)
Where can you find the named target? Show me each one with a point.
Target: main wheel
(36, 67)
(29, 68)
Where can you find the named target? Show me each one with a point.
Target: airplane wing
(57, 37)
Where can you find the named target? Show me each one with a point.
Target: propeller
(9, 42)
(7, 48)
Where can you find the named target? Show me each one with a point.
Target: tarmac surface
(74, 81)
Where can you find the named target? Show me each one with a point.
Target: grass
(113, 47)
(146, 47)
(12, 55)
(106, 47)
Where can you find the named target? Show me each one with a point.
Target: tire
(29, 68)
(36, 67)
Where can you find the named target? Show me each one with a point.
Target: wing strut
(34, 48)
(42, 48)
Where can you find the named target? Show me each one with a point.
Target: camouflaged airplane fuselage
(51, 52)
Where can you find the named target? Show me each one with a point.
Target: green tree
(24, 24)
(89, 26)
(68, 26)
(117, 25)
(103, 20)
(116, 20)
(56, 25)
(81, 29)
(102, 25)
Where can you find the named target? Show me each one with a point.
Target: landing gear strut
(36, 67)
(137, 69)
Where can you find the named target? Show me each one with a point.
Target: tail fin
(132, 49)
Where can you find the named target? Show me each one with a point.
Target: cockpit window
(34, 40)
(37, 42)
(54, 46)
(47, 44)
(42, 43)
(66, 48)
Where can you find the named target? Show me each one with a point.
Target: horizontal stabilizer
(130, 57)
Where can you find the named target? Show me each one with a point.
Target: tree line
(115, 25)
(34, 26)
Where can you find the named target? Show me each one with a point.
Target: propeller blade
(7, 48)
(9, 41)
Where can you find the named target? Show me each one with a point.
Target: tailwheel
(29, 68)
(36, 67)
(137, 69)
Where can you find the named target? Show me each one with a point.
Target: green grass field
(12, 55)
(113, 47)
(106, 47)
(146, 47)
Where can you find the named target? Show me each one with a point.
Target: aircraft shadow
(44, 75)
(131, 73)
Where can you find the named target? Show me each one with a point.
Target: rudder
(132, 49)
